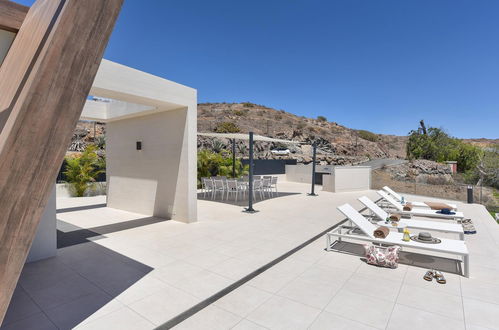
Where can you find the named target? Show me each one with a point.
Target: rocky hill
(337, 144)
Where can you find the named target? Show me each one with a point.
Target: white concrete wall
(348, 178)
(341, 178)
(45, 242)
(165, 186)
(160, 179)
(303, 173)
(299, 173)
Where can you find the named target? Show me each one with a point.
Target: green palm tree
(81, 172)
(212, 164)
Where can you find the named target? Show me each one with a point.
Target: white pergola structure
(157, 180)
(151, 126)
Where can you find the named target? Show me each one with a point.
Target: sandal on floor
(429, 275)
(440, 277)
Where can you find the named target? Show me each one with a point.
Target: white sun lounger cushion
(418, 211)
(417, 204)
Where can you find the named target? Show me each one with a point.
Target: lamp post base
(312, 194)
(250, 210)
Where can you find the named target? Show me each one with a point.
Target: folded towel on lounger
(438, 206)
(407, 207)
(395, 217)
(381, 232)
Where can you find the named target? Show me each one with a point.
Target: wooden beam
(12, 15)
(58, 50)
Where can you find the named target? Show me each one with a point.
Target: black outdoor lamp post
(250, 209)
(234, 158)
(314, 156)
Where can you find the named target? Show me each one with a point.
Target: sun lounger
(398, 198)
(416, 224)
(418, 211)
(360, 223)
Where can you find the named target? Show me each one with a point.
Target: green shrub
(322, 118)
(82, 171)
(217, 146)
(214, 164)
(489, 168)
(227, 127)
(366, 135)
(100, 142)
(438, 146)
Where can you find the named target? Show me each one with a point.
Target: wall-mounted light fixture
(138, 145)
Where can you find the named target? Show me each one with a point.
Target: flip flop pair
(431, 274)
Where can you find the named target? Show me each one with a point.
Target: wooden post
(11, 15)
(44, 81)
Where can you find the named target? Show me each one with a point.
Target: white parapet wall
(299, 173)
(347, 178)
(303, 173)
(334, 178)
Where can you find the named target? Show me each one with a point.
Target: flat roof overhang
(122, 92)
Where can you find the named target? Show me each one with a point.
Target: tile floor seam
(340, 288)
(481, 300)
(173, 285)
(396, 298)
(94, 284)
(249, 277)
(256, 307)
(143, 316)
(425, 311)
(462, 303)
(122, 307)
(30, 315)
(53, 307)
(245, 319)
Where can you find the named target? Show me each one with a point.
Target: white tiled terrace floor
(141, 277)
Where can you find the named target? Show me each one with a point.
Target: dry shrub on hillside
(366, 135)
(240, 113)
(227, 127)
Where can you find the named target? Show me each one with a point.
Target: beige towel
(381, 232)
(438, 206)
(407, 207)
(395, 217)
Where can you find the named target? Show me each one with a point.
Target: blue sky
(376, 65)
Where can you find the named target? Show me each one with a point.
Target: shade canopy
(243, 136)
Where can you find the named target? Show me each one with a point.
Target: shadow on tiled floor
(243, 200)
(78, 235)
(63, 291)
